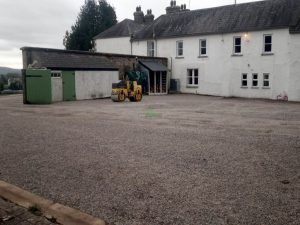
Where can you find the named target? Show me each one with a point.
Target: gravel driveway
(169, 160)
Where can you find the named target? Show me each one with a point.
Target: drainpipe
(156, 47)
(131, 37)
(171, 70)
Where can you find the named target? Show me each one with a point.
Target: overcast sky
(42, 23)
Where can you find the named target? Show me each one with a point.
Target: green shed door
(38, 86)
(68, 85)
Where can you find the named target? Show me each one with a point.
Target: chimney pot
(138, 15)
(149, 17)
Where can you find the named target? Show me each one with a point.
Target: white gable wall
(294, 79)
(114, 45)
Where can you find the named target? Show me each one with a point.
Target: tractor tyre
(138, 97)
(121, 97)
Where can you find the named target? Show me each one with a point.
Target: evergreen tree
(3, 82)
(94, 17)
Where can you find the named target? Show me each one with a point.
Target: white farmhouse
(244, 50)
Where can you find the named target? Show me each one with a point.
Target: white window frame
(268, 80)
(244, 79)
(56, 74)
(193, 77)
(264, 44)
(253, 80)
(234, 45)
(202, 47)
(177, 49)
(151, 48)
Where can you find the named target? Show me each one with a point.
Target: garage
(58, 75)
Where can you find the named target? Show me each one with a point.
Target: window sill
(267, 53)
(266, 88)
(191, 86)
(179, 57)
(244, 87)
(236, 55)
(255, 87)
(203, 56)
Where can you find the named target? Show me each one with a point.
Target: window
(202, 47)
(266, 80)
(55, 73)
(179, 48)
(192, 77)
(244, 80)
(151, 48)
(237, 45)
(254, 80)
(267, 43)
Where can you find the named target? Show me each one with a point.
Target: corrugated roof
(126, 28)
(153, 66)
(262, 15)
(63, 59)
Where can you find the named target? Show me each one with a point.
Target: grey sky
(42, 23)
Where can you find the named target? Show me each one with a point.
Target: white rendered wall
(56, 89)
(94, 84)
(139, 48)
(120, 45)
(220, 73)
(294, 81)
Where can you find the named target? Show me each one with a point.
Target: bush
(16, 85)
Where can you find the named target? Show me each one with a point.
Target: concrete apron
(63, 214)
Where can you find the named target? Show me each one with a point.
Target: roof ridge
(243, 17)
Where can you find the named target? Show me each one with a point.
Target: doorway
(68, 85)
(158, 82)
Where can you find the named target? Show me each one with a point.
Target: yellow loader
(126, 89)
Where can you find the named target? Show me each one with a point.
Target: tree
(3, 81)
(16, 85)
(94, 17)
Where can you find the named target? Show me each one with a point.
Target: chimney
(173, 8)
(138, 15)
(149, 16)
(183, 8)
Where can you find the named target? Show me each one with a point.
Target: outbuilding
(52, 75)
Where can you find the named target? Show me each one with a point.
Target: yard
(169, 160)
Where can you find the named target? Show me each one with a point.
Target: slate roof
(67, 60)
(153, 66)
(126, 28)
(244, 17)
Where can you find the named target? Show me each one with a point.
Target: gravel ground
(169, 160)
